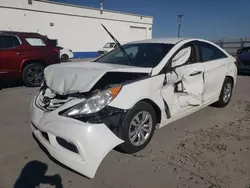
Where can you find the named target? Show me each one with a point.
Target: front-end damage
(79, 141)
(80, 146)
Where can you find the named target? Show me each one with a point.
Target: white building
(75, 27)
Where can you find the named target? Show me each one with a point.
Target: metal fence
(232, 45)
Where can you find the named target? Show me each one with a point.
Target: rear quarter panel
(232, 70)
(45, 54)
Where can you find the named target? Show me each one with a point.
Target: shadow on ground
(33, 174)
(10, 84)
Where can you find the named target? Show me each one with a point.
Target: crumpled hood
(75, 77)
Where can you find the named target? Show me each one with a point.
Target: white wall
(74, 27)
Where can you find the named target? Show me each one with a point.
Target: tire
(64, 58)
(32, 75)
(227, 89)
(127, 127)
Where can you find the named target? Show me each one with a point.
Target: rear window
(59, 47)
(35, 41)
(7, 42)
(53, 42)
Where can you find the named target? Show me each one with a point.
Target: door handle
(195, 73)
(19, 53)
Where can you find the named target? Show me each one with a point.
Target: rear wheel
(65, 58)
(226, 93)
(33, 75)
(138, 128)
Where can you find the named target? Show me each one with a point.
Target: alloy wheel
(227, 92)
(35, 75)
(140, 128)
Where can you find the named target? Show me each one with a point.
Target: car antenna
(118, 44)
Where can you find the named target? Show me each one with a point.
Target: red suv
(25, 55)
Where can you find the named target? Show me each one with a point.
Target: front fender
(132, 93)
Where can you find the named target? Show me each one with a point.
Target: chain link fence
(231, 45)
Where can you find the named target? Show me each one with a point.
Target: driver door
(183, 90)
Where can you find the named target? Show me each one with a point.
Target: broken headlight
(95, 103)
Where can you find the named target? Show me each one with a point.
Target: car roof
(245, 48)
(172, 40)
(19, 33)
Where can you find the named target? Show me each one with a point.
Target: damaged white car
(84, 110)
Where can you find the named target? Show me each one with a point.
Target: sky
(210, 19)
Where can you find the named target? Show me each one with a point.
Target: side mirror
(181, 57)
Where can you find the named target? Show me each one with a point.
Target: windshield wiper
(119, 45)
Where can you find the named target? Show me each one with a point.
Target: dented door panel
(185, 88)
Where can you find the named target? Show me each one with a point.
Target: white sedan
(65, 54)
(84, 110)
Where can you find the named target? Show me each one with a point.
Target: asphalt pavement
(209, 148)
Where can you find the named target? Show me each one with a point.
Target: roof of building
(91, 8)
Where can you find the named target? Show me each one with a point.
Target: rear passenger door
(214, 62)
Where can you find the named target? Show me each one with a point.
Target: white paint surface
(66, 51)
(81, 77)
(94, 141)
(77, 28)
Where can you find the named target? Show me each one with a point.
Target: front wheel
(225, 94)
(138, 128)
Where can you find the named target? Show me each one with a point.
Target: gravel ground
(208, 149)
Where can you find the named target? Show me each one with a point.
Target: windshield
(109, 45)
(141, 54)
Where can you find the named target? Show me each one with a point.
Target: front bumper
(90, 142)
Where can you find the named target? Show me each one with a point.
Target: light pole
(101, 6)
(179, 25)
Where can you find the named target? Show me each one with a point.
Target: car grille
(49, 104)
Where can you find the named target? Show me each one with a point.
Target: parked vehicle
(107, 47)
(65, 54)
(242, 50)
(25, 55)
(120, 98)
(243, 57)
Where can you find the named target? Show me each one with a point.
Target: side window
(209, 52)
(186, 55)
(132, 51)
(112, 45)
(35, 41)
(7, 42)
